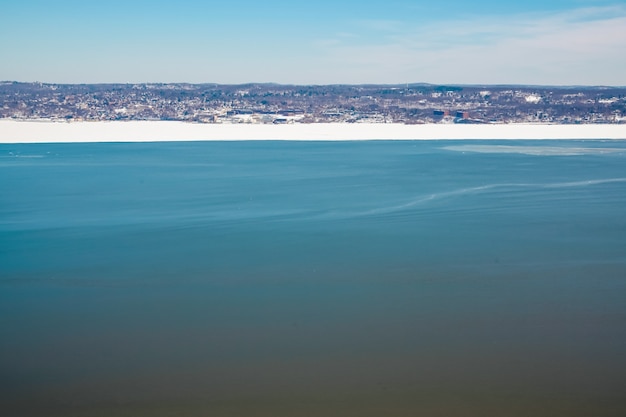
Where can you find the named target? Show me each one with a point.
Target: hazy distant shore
(160, 131)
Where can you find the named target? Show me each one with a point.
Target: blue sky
(323, 42)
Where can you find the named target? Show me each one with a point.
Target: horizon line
(406, 84)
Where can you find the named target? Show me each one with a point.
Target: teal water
(429, 278)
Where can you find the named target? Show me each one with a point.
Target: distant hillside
(274, 103)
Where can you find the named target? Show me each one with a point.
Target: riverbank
(12, 131)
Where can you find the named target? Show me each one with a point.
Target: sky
(542, 42)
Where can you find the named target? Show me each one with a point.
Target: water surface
(429, 278)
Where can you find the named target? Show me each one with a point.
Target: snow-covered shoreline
(12, 131)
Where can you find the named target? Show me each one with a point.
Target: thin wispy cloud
(563, 48)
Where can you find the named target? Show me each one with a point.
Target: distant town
(274, 103)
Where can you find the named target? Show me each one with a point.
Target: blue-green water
(387, 278)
